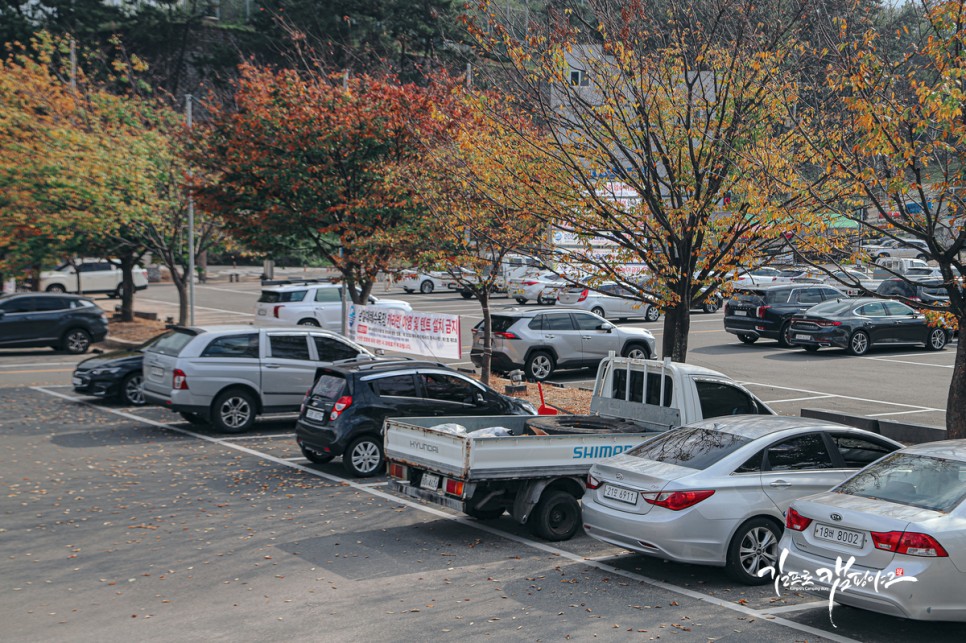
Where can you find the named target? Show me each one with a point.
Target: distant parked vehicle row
(756, 312)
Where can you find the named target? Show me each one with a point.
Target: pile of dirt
(139, 330)
(567, 400)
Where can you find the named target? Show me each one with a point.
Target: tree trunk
(956, 402)
(182, 286)
(677, 325)
(484, 297)
(127, 287)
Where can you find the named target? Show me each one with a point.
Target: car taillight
(592, 482)
(505, 335)
(275, 310)
(796, 521)
(826, 323)
(760, 311)
(530, 283)
(305, 400)
(340, 405)
(179, 381)
(583, 294)
(676, 500)
(397, 471)
(454, 487)
(910, 543)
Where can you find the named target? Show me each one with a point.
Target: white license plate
(429, 481)
(741, 313)
(261, 311)
(801, 336)
(315, 415)
(623, 495)
(847, 537)
(157, 372)
(76, 381)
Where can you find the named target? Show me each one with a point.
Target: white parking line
(800, 399)
(217, 310)
(270, 436)
(795, 608)
(844, 397)
(878, 415)
(466, 521)
(32, 364)
(903, 361)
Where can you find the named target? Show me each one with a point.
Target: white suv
(309, 304)
(96, 276)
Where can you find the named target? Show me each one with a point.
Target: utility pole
(191, 234)
(73, 66)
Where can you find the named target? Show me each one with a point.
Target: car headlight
(114, 370)
(528, 407)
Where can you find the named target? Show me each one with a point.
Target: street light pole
(191, 236)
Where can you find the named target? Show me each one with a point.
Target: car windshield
(908, 479)
(281, 296)
(172, 343)
(833, 308)
(690, 447)
(328, 386)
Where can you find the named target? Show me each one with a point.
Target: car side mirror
(379, 352)
(607, 326)
(480, 399)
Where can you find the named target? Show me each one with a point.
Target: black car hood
(114, 358)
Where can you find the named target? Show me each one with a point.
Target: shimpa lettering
(601, 451)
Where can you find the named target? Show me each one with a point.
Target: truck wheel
(484, 514)
(556, 517)
(754, 547)
(539, 365)
(582, 424)
(363, 458)
(56, 288)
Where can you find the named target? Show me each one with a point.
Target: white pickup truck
(538, 472)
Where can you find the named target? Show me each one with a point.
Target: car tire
(859, 343)
(233, 411)
(426, 287)
(556, 517)
(131, 391)
(936, 341)
(710, 307)
(652, 313)
(811, 349)
(76, 341)
(636, 351)
(409, 291)
(753, 547)
(363, 458)
(784, 334)
(119, 292)
(923, 257)
(308, 321)
(546, 301)
(484, 514)
(56, 288)
(314, 457)
(747, 339)
(600, 312)
(193, 418)
(466, 294)
(521, 300)
(539, 366)
(581, 425)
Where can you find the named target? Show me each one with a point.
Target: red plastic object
(544, 409)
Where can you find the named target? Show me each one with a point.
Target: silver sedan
(903, 520)
(715, 492)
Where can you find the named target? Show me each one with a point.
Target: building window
(578, 78)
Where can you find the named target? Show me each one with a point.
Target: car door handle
(550, 336)
(781, 484)
(273, 366)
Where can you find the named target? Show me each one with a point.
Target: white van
(887, 267)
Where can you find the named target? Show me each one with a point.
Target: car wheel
(859, 343)
(233, 411)
(193, 418)
(597, 310)
(56, 288)
(131, 392)
(784, 335)
(521, 300)
(748, 339)
(315, 457)
(308, 321)
(546, 301)
(409, 290)
(636, 351)
(652, 313)
(753, 548)
(811, 349)
(484, 514)
(426, 287)
(539, 365)
(556, 517)
(76, 341)
(466, 294)
(937, 339)
(710, 307)
(923, 257)
(119, 293)
(363, 458)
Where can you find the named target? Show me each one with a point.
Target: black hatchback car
(343, 412)
(858, 324)
(113, 375)
(928, 291)
(766, 311)
(63, 322)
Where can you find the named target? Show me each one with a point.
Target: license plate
(76, 381)
(623, 495)
(429, 481)
(846, 537)
(261, 311)
(315, 415)
(741, 313)
(801, 336)
(157, 372)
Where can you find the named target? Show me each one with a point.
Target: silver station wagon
(228, 375)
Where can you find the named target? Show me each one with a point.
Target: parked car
(761, 276)
(96, 276)
(715, 492)
(541, 287)
(64, 322)
(926, 290)
(116, 375)
(343, 413)
(901, 516)
(610, 301)
(928, 272)
(889, 267)
(541, 341)
(912, 248)
(228, 375)
(753, 313)
(855, 282)
(309, 304)
(427, 282)
(859, 324)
